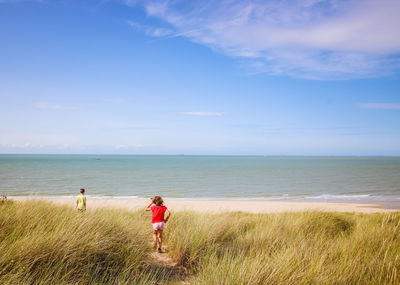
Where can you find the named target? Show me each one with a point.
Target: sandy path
(177, 274)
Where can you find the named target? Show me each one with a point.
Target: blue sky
(308, 77)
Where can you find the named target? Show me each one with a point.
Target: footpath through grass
(41, 243)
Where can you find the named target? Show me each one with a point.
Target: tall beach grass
(288, 248)
(41, 243)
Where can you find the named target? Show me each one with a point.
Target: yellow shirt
(81, 202)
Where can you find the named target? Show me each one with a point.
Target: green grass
(41, 243)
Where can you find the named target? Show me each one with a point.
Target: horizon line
(184, 154)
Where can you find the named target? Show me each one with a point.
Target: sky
(312, 77)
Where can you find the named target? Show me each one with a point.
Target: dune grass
(45, 244)
(288, 248)
(41, 243)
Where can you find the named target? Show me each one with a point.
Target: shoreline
(220, 206)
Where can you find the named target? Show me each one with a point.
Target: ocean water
(332, 179)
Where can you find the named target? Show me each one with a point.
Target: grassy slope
(42, 243)
(289, 248)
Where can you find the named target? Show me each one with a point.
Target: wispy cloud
(328, 39)
(53, 106)
(126, 147)
(383, 106)
(18, 1)
(130, 2)
(129, 125)
(203, 114)
(150, 30)
(115, 100)
(36, 139)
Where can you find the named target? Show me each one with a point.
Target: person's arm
(168, 215)
(76, 203)
(84, 202)
(147, 209)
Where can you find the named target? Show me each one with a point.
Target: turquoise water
(363, 179)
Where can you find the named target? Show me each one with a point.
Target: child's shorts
(158, 226)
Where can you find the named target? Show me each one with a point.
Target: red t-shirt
(158, 213)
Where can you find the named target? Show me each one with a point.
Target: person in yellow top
(81, 201)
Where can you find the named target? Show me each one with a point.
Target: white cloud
(130, 2)
(315, 38)
(115, 100)
(384, 106)
(18, 1)
(127, 147)
(203, 114)
(53, 106)
(150, 30)
(35, 139)
(126, 125)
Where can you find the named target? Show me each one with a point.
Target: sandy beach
(216, 206)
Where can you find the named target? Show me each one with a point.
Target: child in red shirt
(158, 219)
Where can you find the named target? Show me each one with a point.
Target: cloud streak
(321, 39)
(203, 114)
(150, 30)
(52, 106)
(127, 147)
(380, 106)
(18, 1)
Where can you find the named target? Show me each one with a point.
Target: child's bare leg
(160, 238)
(154, 239)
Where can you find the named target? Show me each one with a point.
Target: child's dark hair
(82, 190)
(158, 201)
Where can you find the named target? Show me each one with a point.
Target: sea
(358, 179)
